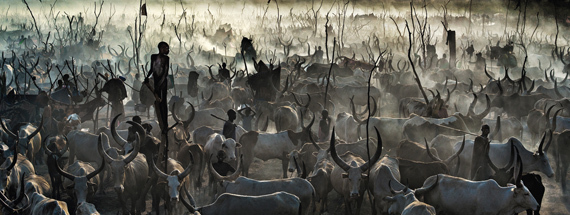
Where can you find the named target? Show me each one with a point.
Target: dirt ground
(554, 202)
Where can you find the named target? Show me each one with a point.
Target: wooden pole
(452, 50)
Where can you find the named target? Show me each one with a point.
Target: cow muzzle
(291, 170)
(354, 195)
(119, 189)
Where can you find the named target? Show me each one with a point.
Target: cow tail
(313, 201)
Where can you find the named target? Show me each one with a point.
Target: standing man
(229, 129)
(479, 165)
(159, 71)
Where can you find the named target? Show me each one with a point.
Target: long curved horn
(44, 146)
(7, 130)
(116, 136)
(500, 88)
(186, 171)
(554, 118)
(433, 157)
(376, 156)
(106, 156)
(354, 114)
(549, 141)
(487, 109)
(101, 166)
(314, 143)
(174, 116)
(235, 174)
(37, 130)
(512, 160)
(308, 128)
(14, 158)
(135, 151)
(472, 105)
(343, 165)
(556, 90)
(540, 146)
(158, 171)
(64, 173)
(394, 192)
(448, 160)
(424, 189)
(547, 116)
(139, 129)
(188, 206)
(187, 122)
(66, 146)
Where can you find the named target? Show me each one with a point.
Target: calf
(405, 202)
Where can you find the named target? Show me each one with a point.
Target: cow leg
(155, 200)
(563, 176)
(558, 166)
(284, 165)
(347, 206)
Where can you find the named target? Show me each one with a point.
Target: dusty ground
(554, 202)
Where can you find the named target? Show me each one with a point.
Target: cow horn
(500, 88)
(158, 171)
(135, 151)
(310, 124)
(433, 157)
(549, 141)
(187, 122)
(314, 143)
(64, 173)
(487, 109)
(7, 130)
(470, 86)
(235, 174)
(472, 105)
(343, 165)
(189, 205)
(186, 171)
(106, 156)
(376, 155)
(37, 130)
(448, 160)
(139, 129)
(66, 146)
(422, 190)
(354, 115)
(547, 116)
(487, 73)
(176, 119)
(531, 87)
(101, 166)
(554, 120)
(375, 107)
(540, 147)
(14, 158)
(21, 195)
(556, 90)
(116, 136)
(513, 157)
(394, 192)
(46, 150)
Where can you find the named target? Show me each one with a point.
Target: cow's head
(118, 165)
(22, 136)
(403, 198)
(293, 155)
(6, 169)
(229, 147)
(174, 179)
(306, 133)
(82, 183)
(521, 195)
(52, 150)
(354, 173)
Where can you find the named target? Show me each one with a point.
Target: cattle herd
(399, 107)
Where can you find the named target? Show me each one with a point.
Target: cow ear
(288, 155)
(238, 145)
(364, 176)
(315, 154)
(345, 175)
